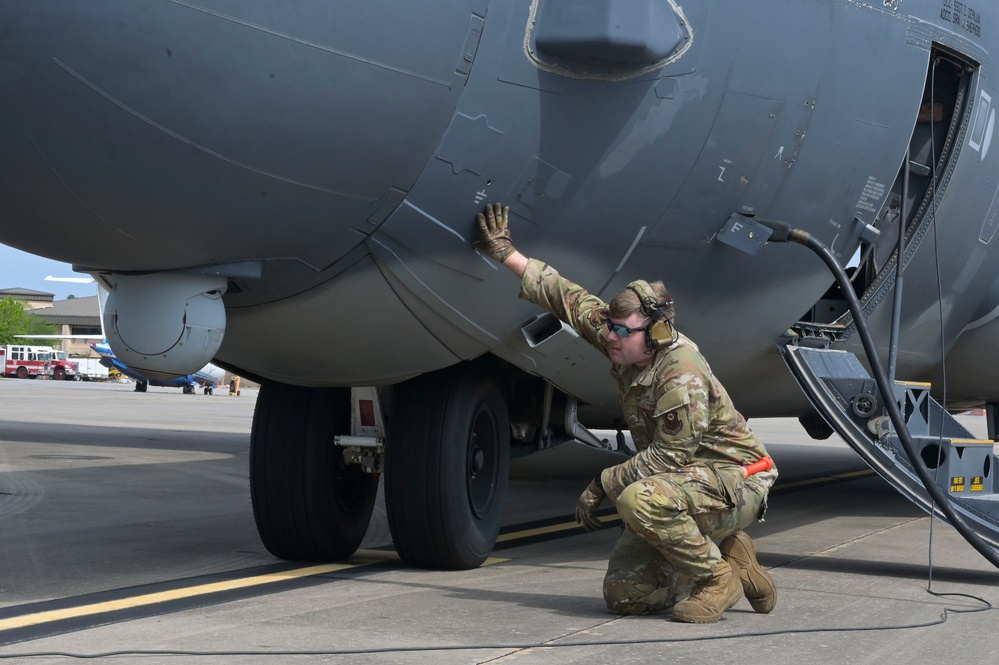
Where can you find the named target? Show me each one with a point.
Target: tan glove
(495, 232)
(587, 505)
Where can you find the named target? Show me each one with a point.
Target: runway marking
(814, 481)
(540, 531)
(165, 596)
(361, 558)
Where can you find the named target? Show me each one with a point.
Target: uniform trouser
(673, 522)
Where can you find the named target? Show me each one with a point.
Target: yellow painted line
(166, 596)
(815, 481)
(361, 558)
(973, 442)
(553, 528)
(540, 531)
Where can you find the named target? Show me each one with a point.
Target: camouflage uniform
(684, 491)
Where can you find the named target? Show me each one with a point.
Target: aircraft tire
(447, 467)
(308, 505)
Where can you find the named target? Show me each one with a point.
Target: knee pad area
(646, 498)
(651, 508)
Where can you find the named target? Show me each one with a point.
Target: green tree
(14, 320)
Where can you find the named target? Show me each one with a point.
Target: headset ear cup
(659, 334)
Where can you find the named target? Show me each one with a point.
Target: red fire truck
(63, 369)
(25, 362)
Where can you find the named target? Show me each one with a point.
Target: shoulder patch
(671, 422)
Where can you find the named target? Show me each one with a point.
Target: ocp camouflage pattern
(675, 408)
(684, 491)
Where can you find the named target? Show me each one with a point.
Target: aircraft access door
(946, 112)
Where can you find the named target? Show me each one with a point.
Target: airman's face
(629, 348)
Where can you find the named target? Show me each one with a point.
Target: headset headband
(648, 301)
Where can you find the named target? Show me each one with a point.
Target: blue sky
(20, 269)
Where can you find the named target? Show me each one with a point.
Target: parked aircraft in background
(207, 378)
(310, 173)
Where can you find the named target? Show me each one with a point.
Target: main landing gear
(446, 470)
(308, 503)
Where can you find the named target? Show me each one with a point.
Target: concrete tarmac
(127, 531)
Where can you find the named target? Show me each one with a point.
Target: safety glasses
(623, 331)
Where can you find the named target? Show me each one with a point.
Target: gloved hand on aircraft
(589, 501)
(496, 240)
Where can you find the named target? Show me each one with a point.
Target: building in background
(30, 298)
(74, 316)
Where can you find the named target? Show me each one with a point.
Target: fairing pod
(606, 39)
(165, 324)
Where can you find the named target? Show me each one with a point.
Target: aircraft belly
(248, 127)
(973, 350)
(345, 147)
(348, 331)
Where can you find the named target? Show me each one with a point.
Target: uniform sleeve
(681, 416)
(571, 303)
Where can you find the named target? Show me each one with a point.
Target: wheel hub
(483, 448)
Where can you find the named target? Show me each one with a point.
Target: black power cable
(786, 233)
(500, 646)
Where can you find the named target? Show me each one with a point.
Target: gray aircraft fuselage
(343, 149)
(346, 147)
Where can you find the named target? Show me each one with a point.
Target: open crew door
(842, 391)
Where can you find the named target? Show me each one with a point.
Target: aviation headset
(660, 332)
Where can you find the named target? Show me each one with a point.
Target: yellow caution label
(957, 483)
(977, 484)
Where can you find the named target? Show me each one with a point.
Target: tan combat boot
(711, 597)
(757, 584)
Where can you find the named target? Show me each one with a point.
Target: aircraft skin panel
(568, 210)
(426, 286)
(345, 147)
(236, 116)
(973, 350)
(360, 319)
